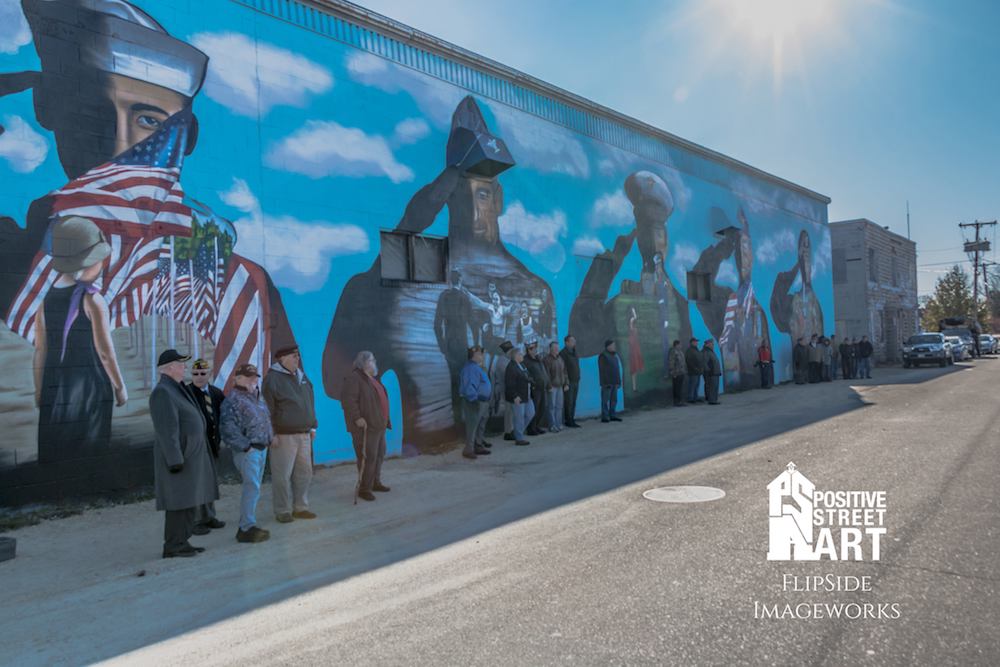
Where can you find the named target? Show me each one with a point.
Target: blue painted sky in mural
(282, 154)
(880, 101)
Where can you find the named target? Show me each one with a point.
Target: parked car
(927, 348)
(987, 344)
(959, 352)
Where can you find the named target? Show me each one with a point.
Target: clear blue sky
(874, 102)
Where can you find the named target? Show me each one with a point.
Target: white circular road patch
(683, 494)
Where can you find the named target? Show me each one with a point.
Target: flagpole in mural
(193, 326)
(171, 325)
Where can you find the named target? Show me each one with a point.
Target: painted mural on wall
(221, 181)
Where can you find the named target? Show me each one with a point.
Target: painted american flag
(136, 199)
(732, 309)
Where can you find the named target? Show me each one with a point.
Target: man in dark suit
(182, 465)
(209, 398)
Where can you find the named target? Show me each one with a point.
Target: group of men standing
(819, 359)
(538, 392)
(192, 420)
(689, 367)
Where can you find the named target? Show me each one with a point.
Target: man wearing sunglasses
(209, 398)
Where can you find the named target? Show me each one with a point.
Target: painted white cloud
(22, 147)
(249, 76)
(325, 148)
(410, 131)
(683, 258)
(822, 252)
(14, 32)
(436, 100)
(727, 274)
(772, 247)
(536, 233)
(612, 210)
(540, 145)
(298, 255)
(587, 246)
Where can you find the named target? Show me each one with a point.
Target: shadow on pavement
(99, 608)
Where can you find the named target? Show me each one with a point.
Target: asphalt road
(550, 555)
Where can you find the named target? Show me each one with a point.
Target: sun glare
(782, 31)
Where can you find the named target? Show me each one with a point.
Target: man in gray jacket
(184, 474)
(290, 400)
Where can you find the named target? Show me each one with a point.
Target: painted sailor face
(805, 257)
(746, 257)
(140, 109)
(487, 200)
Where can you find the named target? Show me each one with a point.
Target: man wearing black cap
(476, 392)
(209, 398)
(610, 375)
(183, 470)
(289, 396)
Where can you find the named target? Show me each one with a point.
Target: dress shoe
(366, 495)
(509, 436)
(482, 451)
(714, 403)
(284, 518)
(616, 419)
(252, 535)
(469, 455)
(604, 420)
(303, 514)
(184, 552)
(573, 425)
(200, 530)
(522, 443)
(485, 444)
(381, 488)
(215, 524)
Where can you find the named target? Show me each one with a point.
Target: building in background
(874, 285)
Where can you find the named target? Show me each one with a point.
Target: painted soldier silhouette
(397, 321)
(797, 314)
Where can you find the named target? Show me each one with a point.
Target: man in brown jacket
(556, 368)
(366, 413)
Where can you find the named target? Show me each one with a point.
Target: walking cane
(361, 468)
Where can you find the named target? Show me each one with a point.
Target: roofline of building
(417, 38)
(866, 221)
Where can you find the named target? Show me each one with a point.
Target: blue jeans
(250, 465)
(555, 406)
(865, 367)
(693, 382)
(523, 413)
(609, 399)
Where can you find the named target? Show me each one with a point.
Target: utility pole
(976, 247)
(907, 218)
